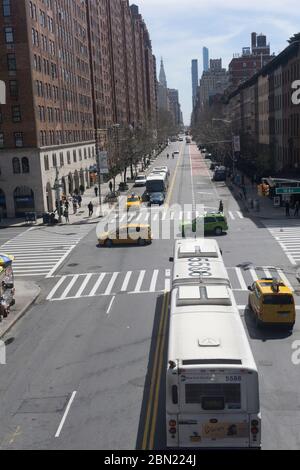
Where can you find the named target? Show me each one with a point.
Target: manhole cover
(44, 405)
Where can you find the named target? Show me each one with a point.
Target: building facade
(213, 82)
(195, 80)
(73, 71)
(205, 59)
(270, 121)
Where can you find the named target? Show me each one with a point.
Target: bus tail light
(172, 427)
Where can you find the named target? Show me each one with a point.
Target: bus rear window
(278, 300)
(214, 396)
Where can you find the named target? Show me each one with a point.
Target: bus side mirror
(171, 259)
(175, 394)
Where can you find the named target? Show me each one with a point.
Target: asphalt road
(85, 368)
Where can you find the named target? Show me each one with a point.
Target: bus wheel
(218, 231)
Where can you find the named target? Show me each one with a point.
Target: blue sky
(179, 30)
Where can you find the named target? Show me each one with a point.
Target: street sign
(287, 191)
(103, 163)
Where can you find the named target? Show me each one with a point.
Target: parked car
(220, 174)
(140, 180)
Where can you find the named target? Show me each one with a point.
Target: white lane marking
(154, 280)
(111, 284)
(167, 285)
(83, 285)
(240, 215)
(97, 285)
(253, 274)
(56, 287)
(110, 305)
(60, 262)
(58, 432)
(285, 279)
(267, 273)
(126, 281)
(155, 217)
(140, 281)
(168, 272)
(69, 287)
(240, 278)
(231, 215)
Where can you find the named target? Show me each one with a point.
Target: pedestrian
(287, 209)
(96, 191)
(66, 215)
(81, 188)
(74, 207)
(91, 209)
(67, 205)
(79, 199)
(297, 205)
(110, 186)
(221, 207)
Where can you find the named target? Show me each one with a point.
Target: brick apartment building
(266, 118)
(73, 71)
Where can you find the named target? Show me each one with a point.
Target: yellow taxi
(128, 234)
(133, 202)
(272, 303)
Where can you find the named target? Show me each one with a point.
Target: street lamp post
(57, 192)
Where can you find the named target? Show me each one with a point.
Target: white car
(160, 169)
(140, 180)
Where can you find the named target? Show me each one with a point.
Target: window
(13, 88)
(54, 160)
(61, 158)
(1, 139)
(18, 139)
(16, 113)
(25, 165)
(11, 62)
(6, 8)
(46, 162)
(9, 37)
(214, 396)
(16, 166)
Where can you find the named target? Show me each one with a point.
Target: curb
(21, 313)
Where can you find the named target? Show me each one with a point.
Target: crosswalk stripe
(253, 274)
(77, 286)
(111, 284)
(240, 215)
(154, 280)
(69, 287)
(56, 287)
(140, 281)
(231, 215)
(240, 278)
(97, 284)
(126, 281)
(285, 279)
(83, 286)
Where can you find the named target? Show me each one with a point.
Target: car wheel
(218, 231)
(142, 242)
(109, 243)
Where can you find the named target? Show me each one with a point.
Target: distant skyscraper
(195, 79)
(162, 75)
(205, 59)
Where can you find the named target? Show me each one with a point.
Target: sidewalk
(26, 294)
(265, 209)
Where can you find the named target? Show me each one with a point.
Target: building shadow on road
(154, 404)
(263, 333)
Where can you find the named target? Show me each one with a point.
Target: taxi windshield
(133, 199)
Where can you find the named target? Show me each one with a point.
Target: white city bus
(157, 183)
(212, 393)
